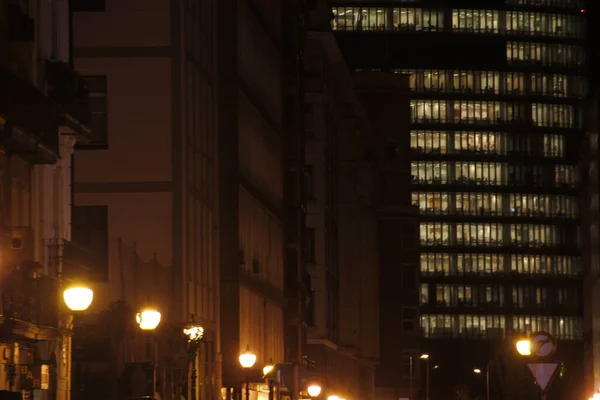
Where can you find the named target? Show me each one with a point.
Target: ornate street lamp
(247, 360)
(148, 319)
(194, 333)
(78, 298)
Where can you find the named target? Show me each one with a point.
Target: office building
(591, 235)
(496, 127)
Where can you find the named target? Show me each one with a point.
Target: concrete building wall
(386, 100)
(341, 254)
(251, 184)
(156, 168)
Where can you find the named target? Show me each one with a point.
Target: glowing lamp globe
(524, 347)
(314, 390)
(193, 331)
(269, 367)
(148, 319)
(333, 398)
(78, 298)
(247, 358)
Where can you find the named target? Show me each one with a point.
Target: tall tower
(496, 126)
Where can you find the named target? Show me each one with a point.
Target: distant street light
(314, 390)
(524, 347)
(78, 298)
(148, 319)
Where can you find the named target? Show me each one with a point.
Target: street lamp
(333, 398)
(487, 379)
(194, 333)
(78, 298)
(148, 319)
(524, 347)
(247, 360)
(314, 390)
(266, 369)
(269, 367)
(425, 357)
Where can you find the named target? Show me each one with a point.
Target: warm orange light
(247, 358)
(78, 298)
(314, 390)
(148, 319)
(524, 347)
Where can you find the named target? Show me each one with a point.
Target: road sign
(543, 373)
(543, 345)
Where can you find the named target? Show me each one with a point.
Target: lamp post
(487, 379)
(425, 357)
(194, 333)
(247, 360)
(148, 320)
(410, 380)
(266, 369)
(77, 298)
(524, 349)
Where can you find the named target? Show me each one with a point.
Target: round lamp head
(194, 331)
(477, 370)
(247, 358)
(333, 398)
(269, 367)
(424, 356)
(524, 347)
(148, 319)
(78, 298)
(314, 390)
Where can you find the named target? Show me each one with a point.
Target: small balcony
(30, 122)
(67, 88)
(29, 303)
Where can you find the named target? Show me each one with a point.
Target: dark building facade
(496, 126)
